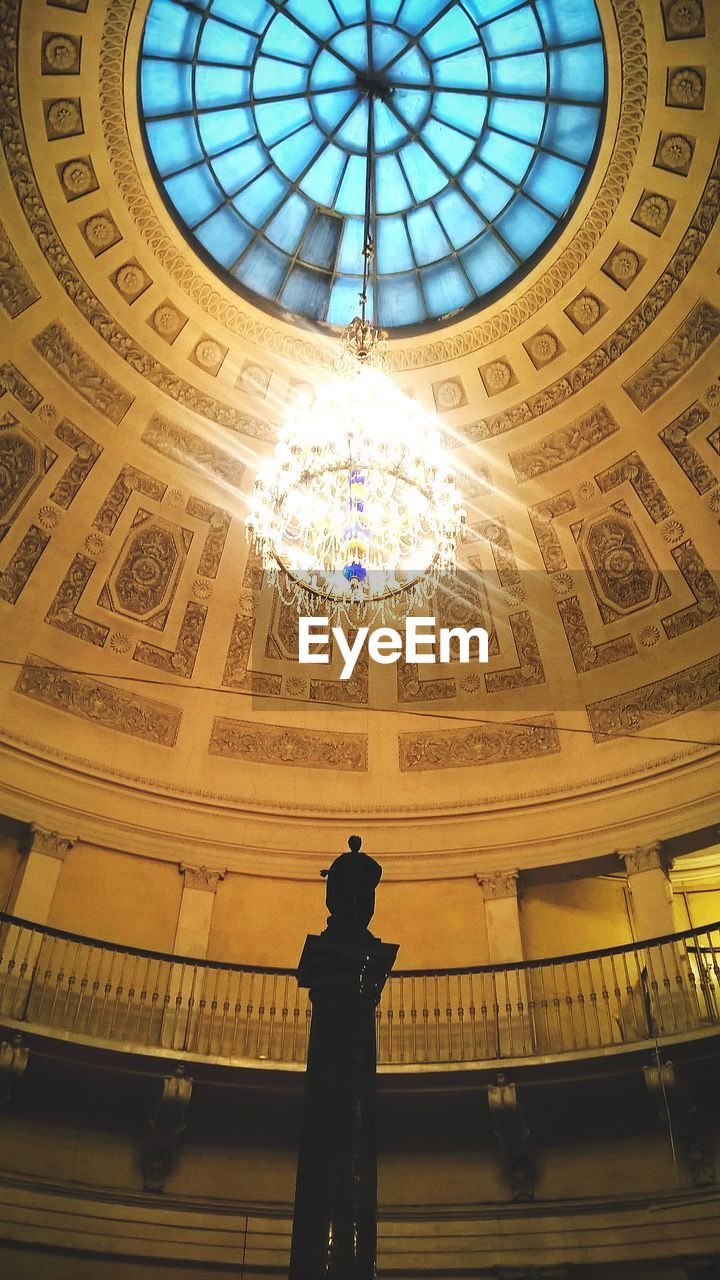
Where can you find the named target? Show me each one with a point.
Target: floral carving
(130, 480)
(100, 233)
(674, 695)
(564, 445)
(143, 582)
(219, 522)
(649, 637)
(449, 394)
(529, 670)
(541, 518)
(585, 311)
(586, 655)
(176, 442)
(63, 611)
(22, 563)
(77, 177)
(690, 340)
(98, 702)
(632, 470)
(167, 321)
(63, 119)
(653, 212)
(86, 451)
(120, 642)
(281, 744)
(484, 744)
(622, 573)
(673, 531)
(60, 54)
(131, 280)
(684, 18)
(623, 265)
(48, 517)
(497, 376)
(23, 463)
(181, 660)
(686, 87)
(675, 437)
(17, 291)
(704, 588)
(542, 348)
(58, 347)
(209, 354)
(674, 152)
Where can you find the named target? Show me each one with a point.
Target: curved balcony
(69, 987)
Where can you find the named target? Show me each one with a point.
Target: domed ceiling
(151, 694)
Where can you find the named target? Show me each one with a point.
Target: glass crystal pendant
(357, 512)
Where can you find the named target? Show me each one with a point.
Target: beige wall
(574, 915)
(118, 897)
(10, 834)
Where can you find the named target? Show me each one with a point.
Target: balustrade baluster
(471, 1011)
(461, 1016)
(448, 1018)
(401, 1018)
(618, 1000)
(213, 1009)
(581, 1004)
(248, 1015)
(271, 1016)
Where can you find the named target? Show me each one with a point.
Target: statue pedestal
(335, 1221)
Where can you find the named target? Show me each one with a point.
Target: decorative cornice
(645, 857)
(51, 843)
(201, 877)
(499, 884)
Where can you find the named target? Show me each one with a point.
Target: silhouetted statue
(350, 897)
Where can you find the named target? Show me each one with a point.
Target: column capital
(645, 857)
(52, 843)
(201, 877)
(499, 884)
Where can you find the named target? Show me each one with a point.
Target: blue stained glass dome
(486, 117)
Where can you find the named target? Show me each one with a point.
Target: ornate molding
(645, 857)
(499, 884)
(258, 328)
(201, 877)
(51, 843)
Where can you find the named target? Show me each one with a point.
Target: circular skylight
(485, 120)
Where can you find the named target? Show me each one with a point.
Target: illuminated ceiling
(148, 691)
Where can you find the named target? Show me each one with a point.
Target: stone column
(44, 853)
(510, 995)
(502, 915)
(192, 934)
(650, 890)
(335, 1222)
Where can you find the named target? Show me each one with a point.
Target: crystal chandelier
(357, 512)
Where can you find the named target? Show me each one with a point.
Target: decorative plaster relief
(586, 655)
(63, 612)
(563, 445)
(702, 585)
(529, 670)
(130, 480)
(621, 569)
(58, 347)
(281, 744)
(674, 695)
(632, 470)
(486, 744)
(22, 563)
(23, 463)
(179, 661)
(98, 702)
(86, 451)
(17, 291)
(675, 437)
(176, 442)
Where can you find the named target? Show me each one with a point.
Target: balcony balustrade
(75, 988)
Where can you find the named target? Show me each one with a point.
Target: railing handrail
(279, 971)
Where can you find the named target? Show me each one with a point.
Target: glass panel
(194, 194)
(487, 263)
(446, 289)
(553, 182)
(165, 87)
(170, 31)
(264, 96)
(578, 73)
(572, 130)
(288, 226)
(239, 166)
(321, 242)
(429, 241)
(263, 267)
(225, 235)
(174, 144)
(516, 33)
(215, 88)
(221, 43)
